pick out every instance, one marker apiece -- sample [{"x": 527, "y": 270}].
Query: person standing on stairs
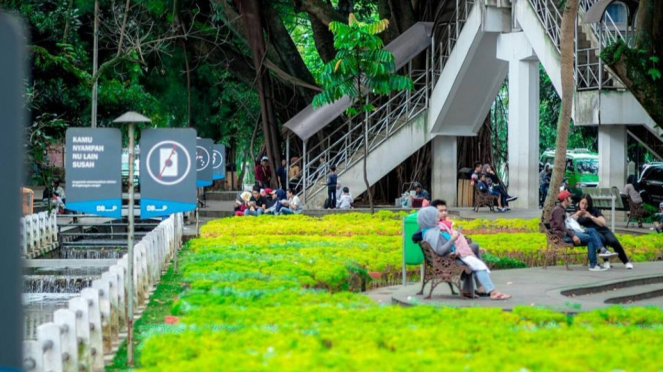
[{"x": 332, "y": 179}]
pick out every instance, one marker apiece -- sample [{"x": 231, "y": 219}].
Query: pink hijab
[{"x": 462, "y": 247}]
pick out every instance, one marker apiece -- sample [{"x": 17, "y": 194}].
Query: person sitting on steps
[
  {"x": 444, "y": 242},
  {"x": 559, "y": 228}
]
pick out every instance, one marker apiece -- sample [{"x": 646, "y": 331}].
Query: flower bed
[{"x": 265, "y": 300}]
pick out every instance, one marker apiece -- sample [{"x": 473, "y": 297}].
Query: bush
[{"x": 265, "y": 300}]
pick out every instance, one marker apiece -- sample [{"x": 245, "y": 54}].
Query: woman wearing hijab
[{"x": 447, "y": 241}]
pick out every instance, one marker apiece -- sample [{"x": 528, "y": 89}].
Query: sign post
[
  {"x": 131, "y": 118},
  {"x": 94, "y": 171},
  {"x": 167, "y": 173},
  {"x": 12, "y": 61}
]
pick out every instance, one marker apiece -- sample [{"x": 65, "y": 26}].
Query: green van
[{"x": 582, "y": 166}]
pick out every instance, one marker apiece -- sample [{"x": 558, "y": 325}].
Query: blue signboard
[
  {"x": 204, "y": 170},
  {"x": 219, "y": 162},
  {"x": 167, "y": 171},
  {"x": 94, "y": 171}
]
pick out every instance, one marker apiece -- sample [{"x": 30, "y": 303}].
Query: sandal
[{"x": 499, "y": 296}]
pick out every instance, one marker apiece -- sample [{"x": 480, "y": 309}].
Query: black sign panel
[
  {"x": 219, "y": 162},
  {"x": 204, "y": 153},
  {"x": 94, "y": 171},
  {"x": 167, "y": 171},
  {"x": 12, "y": 107}
]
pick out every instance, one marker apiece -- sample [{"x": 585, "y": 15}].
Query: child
[
  {"x": 346, "y": 200},
  {"x": 332, "y": 178},
  {"x": 475, "y": 175},
  {"x": 483, "y": 187}
]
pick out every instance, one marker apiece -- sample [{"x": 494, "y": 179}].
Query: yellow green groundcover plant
[{"x": 270, "y": 294}]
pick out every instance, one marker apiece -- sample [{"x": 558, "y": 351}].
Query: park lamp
[{"x": 131, "y": 118}]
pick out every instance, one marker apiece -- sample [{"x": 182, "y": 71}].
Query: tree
[
  {"x": 361, "y": 67},
  {"x": 639, "y": 68},
  {"x": 569, "y": 18}
]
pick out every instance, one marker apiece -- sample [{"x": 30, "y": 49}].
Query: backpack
[{"x": 326, "y": 203}]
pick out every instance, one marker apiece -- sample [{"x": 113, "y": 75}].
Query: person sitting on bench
[
  {"x": 558, "y": 226},
  {"x": 444, "y": 243}
]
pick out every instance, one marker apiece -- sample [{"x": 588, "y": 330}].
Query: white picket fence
[
  {"x": 80, "y": 335},
  {"x": 39, "y": 233}
]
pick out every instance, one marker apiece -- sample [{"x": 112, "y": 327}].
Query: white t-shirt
[
  {"x": 294, "y": 203},
  {"x": 345, "y": 202}
]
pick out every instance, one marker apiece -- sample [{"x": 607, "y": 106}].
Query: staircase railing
[
  {"x": 391, "y": 114},
  {"x": 344, "y": 147},
  {"x": 590, "y": 71}
]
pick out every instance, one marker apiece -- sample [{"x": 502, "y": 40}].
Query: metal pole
[
  {"x": 287, "y": 163},
  {"x": 305, "y": 174},
  {"x": 612, "y": 213},
  {"x": 404, "y": 267},
  {"x": 130, "y": 248}
]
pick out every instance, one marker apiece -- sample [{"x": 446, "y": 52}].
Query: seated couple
[
  {"x": 257, "y": 202},
  {"x": 438, "y": 231},
  {"x": 486, "y": 181},
  {"x": 587, "y": 226}
]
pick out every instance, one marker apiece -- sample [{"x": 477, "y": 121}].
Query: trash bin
[{"x": 412, "y": 254}]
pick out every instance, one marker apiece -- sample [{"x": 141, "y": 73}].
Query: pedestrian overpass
[{"x": 458, "y": 65}]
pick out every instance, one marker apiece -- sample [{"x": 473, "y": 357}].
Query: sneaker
[
  {"x": 629, "y": 266},
  {"x": 597, "y": 268},
  {"x": 511, "y": 198},
  {"x": 507, "y": 209},
  {"x": 606, "y": 253},
  {"x": 606, "y": 265}
]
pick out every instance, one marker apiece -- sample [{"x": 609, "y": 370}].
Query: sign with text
[
  {"x": 204, "y": 168},
  {"x": 219, "y": 162},
  {"x": 167, "y": 171},
  {"x": 94, "y": 171}
]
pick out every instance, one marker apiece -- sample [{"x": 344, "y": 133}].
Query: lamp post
[{"x": 131, "y": 118}]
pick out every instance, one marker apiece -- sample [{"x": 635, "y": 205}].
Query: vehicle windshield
[{"x": 587, "y": 166}]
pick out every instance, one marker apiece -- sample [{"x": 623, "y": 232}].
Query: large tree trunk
[
  {"x": 252, "y": 19},
  {"x": 569, "y": 19},
  {"x": 403, "y": 14}
]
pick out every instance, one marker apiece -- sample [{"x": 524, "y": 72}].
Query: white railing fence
[
  {"x": 82, "y": 334},
  {"x": 39, "y": 233}
]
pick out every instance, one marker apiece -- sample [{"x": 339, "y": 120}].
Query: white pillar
[
  {"x": 523, "y": 118},
  {"x": 444, "y": 173},
  {"x": 612, "y": 155}
]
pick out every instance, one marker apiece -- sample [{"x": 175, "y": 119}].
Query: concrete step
[
  {"x": 221, "y": 195},
  {"x": 621, "y": 292}
]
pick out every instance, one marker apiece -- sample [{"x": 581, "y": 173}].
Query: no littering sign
[{"x": 168, "y": 171}]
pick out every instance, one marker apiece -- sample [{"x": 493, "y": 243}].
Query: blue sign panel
[
  {"x": 167, "y": 171},
  {"x": 94, "y": 171},
  {"x": 219, "y": 162},
  {"x": 204, "y": 160}
]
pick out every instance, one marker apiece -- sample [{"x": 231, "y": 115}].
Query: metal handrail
[{"x": 588, "y": 75}]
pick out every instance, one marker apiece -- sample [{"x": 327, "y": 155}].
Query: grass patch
[{"x": 159, "y": 306}]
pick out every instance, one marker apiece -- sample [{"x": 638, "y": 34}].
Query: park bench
[
  {"x": 441, "y": 269},
  {"x": 484, "y": 199},
  {"x": 555, "y": 245}
]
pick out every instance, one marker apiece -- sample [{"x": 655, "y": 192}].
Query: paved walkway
[{"x": 556, "y": 288}]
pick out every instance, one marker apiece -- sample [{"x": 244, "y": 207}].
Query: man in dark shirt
[
  {"x": 262, "y": 173},
  {"x": 257, "y": 203},
  {"x": 558, "y": 227},
  {"x": 421, "y": 192},
  {"x": 332, "y": 179}
]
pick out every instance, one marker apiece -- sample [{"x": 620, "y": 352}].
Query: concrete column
[
  {"x": 444, "y": 173},
  {"x": 612, "y": 155},
  {"x": 523, "y": 118}
]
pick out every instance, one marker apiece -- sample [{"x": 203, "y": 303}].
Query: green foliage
[
  {"x": 263, "y": 302},
  {"x": 360, "y": 63}
]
